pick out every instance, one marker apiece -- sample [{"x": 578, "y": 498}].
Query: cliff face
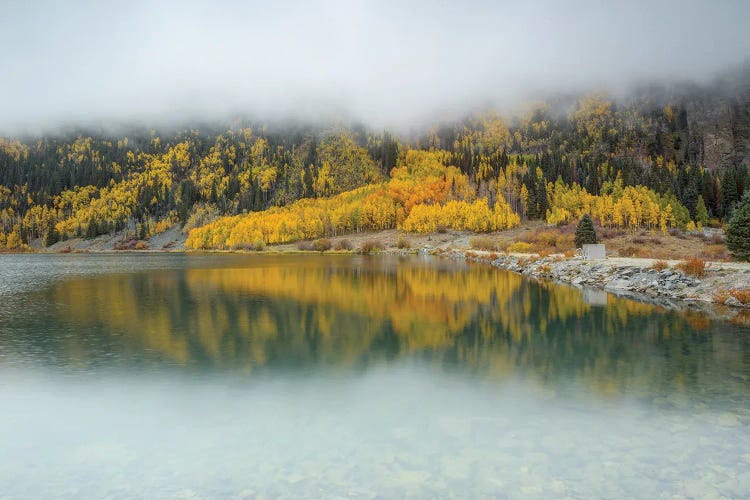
[{"x": 719, "y": 124}]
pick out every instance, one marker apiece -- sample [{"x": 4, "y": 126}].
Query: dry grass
[
  {"x": 520, "y": 247},
  {"x": 543, "y": 241},
  {"x": 342, "y": 245},
  {"x": 715, "y": 252},
  {"x": 659, "y": 265},
  {"x": 631, "y": 251},
  {"x": 693, "y": 267},
  {"x": 678, "y": 233},
  {"x": 720, "y": 296},
  {"x": 403, "y": 242},
  {"x": 370, "y": 246},
  {"x": 321, "y": 245},
  {"x": 656, "y": 245},
  {"x": 742, "y": 295},
  {"x": 484, "y": 243}
]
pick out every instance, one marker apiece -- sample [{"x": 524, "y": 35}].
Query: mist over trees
[{"x": 542, "y": 163}]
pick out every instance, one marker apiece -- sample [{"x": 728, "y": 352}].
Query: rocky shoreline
[{"x": 635, "y": 278}]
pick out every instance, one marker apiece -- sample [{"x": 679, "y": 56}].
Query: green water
[{"x": 173, "y": 376}]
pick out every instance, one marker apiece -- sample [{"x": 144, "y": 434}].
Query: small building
[{"x": 593, "y": 252}]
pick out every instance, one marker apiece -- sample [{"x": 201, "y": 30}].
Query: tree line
[{"x": 84, "y": 184}]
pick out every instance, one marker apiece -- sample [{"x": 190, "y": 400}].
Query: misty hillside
[{"x": 688, "y": 142}]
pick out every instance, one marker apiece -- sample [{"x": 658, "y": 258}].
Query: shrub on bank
[
  {"x": 304, "y": 246},
  {"x": 660, "y": 265},
  {"x": 483, "y": 243},
  {"x": 371, "y": 246},
  {"x": 343, "y": 245},
  {"x": 693, "y": 267},
  {"x": 742, "y": 295},
  {"x": 321, "y": 245},
  {"x": 520, "y": 247}
]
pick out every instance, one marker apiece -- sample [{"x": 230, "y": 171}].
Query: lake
[{"x": 244, "y": 376}]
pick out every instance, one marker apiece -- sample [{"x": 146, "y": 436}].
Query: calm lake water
[{"x": 205, "y": 376}]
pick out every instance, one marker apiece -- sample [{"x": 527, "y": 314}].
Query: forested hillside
[{"x": 652, "y": 160}]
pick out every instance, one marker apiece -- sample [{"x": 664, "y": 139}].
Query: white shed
[{"x": 593, "y": 252}]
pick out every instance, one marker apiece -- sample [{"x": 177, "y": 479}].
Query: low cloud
[{"x": 387, "y": 63}]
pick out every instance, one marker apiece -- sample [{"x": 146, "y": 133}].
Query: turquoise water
[{"x": 204, "y": 376}]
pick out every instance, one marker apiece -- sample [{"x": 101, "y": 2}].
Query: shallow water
[{"x": 205, "y": 376}]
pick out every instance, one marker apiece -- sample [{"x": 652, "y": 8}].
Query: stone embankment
[{"x": 635, "y": 278}]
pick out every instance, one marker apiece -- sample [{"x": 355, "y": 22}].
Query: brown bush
[
  {"x": 483, "y": 243},
  {"x": 717, "y": 239},
  {"x": 660, "y": 265},
  {"x": 742, "y": 295},
  {"x": 343, "y": 245},
  {"x": 125, "y": 245},
  {"x": 678, "y": 233},
  {"x": 720, "y": 295},
  {"x": 630, "y": 251},
  {"x": 545, "y": 252},
  {"x": 609, "y": 232},
  {"x": 141, "y": 245},
  {"x": 304, "y": 246},
  {"x": 565, "y": 242},
  {"x": 693, "y": 267},
  {"x": 715, "y": 252},
  {"x": 545, "y": 238},
  {"x": 403, "y": 242},
  {"x": 321, "y": 245},
  {"x": 258, "y": 245},
  {"x": 371, "y": 246}
]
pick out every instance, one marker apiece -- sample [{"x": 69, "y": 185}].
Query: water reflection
[
  {"x": 301, "y": 312},
  {"x": 338, "y": 377}
]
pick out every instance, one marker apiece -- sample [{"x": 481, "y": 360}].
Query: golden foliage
[
  {"x": 422, "y": 195},
  {"x": 628, "y": 207}
]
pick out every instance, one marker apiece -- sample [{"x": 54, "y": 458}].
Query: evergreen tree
[
  {"x": 701, "y": 213},
  {"x": 729, "y": 192},
  {"x": 585, "y": 232},
  {"x": 50, "y": 236},
  {"x": 91, "y": 229},
  {"x": 738, "y": 231}
]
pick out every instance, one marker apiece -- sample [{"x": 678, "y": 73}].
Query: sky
[{"x": 387, "y": 63}]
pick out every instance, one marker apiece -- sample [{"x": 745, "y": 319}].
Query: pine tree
[
  {"x": 585, "y": 232},
  {"x": 91, "y": 229},
  {"x": 738, "y": 231},
  {"x": 701, "y": 213},
  {"x": 729, "y": 192},
  {"x": 51, "y": 235}
]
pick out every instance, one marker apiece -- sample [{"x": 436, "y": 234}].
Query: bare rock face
[{"x": 719, "y": 125}]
